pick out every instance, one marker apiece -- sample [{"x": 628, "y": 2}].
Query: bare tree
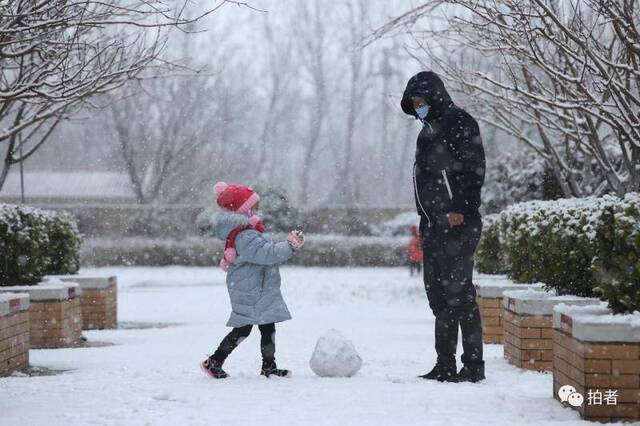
[
  {"x": 312, "y": 48},
  {"x": 279, "y": 64},
  {"x": 295, "y": 100},
  {"x": 58, "y": 55},
  {"x": 345, "y": 187},
  {"x": 170, "y": 138},
  {"x": 561, "y": 77},
  {"x": 395, "y": 144}
]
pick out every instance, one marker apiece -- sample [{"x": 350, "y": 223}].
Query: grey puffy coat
[{"x": 253, "y": 280}]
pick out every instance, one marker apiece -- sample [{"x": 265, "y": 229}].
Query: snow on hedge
[
  {"x": 35, "y": 242},
  {"x": 588, "y": 246}
]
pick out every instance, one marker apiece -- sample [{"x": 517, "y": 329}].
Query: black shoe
[
  {"x": 441, "y": 372},
  {"x": 270, "y": 369},
  {"x": 469, "y": 373}
]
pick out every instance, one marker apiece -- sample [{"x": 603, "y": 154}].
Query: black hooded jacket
[{"x": 450, "y": 164}]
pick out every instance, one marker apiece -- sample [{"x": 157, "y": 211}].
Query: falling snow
[{"x": 151, "y": 375}]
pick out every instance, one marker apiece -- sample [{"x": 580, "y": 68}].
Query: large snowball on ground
[{"x": 335, "y": 356}]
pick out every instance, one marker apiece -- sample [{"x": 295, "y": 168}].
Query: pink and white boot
[{"x": 213, "y": 369}]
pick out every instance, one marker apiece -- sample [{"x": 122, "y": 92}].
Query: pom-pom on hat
[{"x": 236, "y": 198}]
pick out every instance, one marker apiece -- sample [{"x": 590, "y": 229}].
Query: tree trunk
[
  {"x": 6, "y": 165},
  {"x": 314, "y": 137},
  {"x": 317, "y": 114},
  {"x": 634, "y": 177}
]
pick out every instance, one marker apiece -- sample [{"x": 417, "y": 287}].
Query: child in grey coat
[{"x": 251, "y": 260}]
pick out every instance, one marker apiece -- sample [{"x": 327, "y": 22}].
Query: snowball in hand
[
  {"x": 335, "y": 356},
  {"x": 296, "y": 239}
]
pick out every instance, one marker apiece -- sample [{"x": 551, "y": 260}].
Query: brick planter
[
  {"x": 598, "y": 353},
  {"x": 99, "y": 300},
  {"x": 528, "y": 320},
  {"x": 55, "y": 319},
  {"x": 489, "y": 298},
  {"x": 14, "y": 333}
]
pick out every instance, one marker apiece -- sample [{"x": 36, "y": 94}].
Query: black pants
[
  {"x": 237, "y": 335},
  {"x": 414, "y": 268},
  {"x": 448, "y": 270}
]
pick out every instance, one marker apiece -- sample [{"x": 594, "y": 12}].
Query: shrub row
[
  {"x": 617, "y": 264},
  {"x": 586, "y": 247},
  {"x": 36, "y": 242},
  {"x": 179, "y": 221},
  {"x": 489, "y": 259},
  {"x": 319, "y": 250}
]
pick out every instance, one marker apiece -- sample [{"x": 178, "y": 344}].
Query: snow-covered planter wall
[
  {"x": 584, "y": 247},
  {"x": 528, "y": 317},
  {"x": 36, "y": 242},
  {"x": 598, "y": 354},
  {"x": 54, "y": 314},
  {"x": 98, "y": 300},
  {"x": 489, "y": 297},
  {"x": 14, "y": 333}
]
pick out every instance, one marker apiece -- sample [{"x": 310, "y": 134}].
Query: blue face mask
[{"x": 422, "y": 111}]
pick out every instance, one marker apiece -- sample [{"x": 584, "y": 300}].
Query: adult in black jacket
[{"x": 448, "y": 174}]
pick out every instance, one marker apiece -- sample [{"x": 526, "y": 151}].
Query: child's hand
[{"x": 296, "y": 239}]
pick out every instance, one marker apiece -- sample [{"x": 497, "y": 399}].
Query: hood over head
[
  {"x": 223, "y": 222},
  {"x": 429, "y": 86}
]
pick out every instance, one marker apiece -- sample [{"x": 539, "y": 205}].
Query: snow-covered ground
[{"x": 151, "y": 376}]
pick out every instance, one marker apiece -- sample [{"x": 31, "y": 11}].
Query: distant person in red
[{"x": 414, "y": 249}]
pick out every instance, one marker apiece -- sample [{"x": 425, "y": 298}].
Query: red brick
[
  {"x": 568, "y": 342},
  {"x": 492, "y": 339},
  {"x": 491, "y": 321},
  {"x": 619, "y": 411},
  {"x": 612, "y": 351},
  {"x": 629, "y": 395},
  {"x": 490, "y": 302},
  {"x": 625, "y": 380},
  {"x": 625, "y": 366},
  {"x": 597, "y": 380},
  {"x": 597, "y": 366},
  {"x": 491, "y": 312}
]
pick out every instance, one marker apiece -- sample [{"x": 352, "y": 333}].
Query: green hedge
[
  {"x": 34, "y": 243},
  {"x": 489, "y": 258},
  {"x": 585, "y": 247},
  {"x": 617, "y": 266}
]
